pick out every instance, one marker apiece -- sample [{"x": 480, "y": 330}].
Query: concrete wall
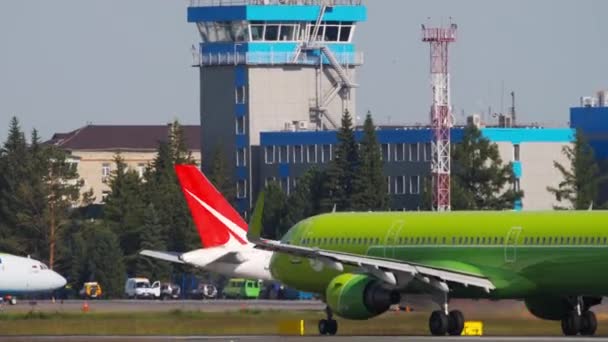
[
  {"x": 538, "y": 173},
  {"x": 280, "y": 94}
]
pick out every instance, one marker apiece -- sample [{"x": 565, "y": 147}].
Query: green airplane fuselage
[{"x": 523, "y": 254}]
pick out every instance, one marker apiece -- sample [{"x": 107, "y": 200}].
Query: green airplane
[{"x": 362, "y": 263}]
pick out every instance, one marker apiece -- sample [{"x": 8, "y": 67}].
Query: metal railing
[
  {"x": 272, "y": 58},
  {"x": 204, "y": 3}
]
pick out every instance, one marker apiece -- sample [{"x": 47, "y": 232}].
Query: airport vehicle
[
  {"x": 91, "y": 290},
  {"x": 167, "y": 290},
  {"x": 554, "y": 261},
  {"x": 221, "y": 229},
  {"x": 242, "y": 289},
  {"x": 138, "y": 288},
  {"x": 204, "y": 291},
  {"x": 19, "y": 275}
]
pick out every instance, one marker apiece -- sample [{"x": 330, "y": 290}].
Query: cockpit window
[{"x": 43, "y": 267}]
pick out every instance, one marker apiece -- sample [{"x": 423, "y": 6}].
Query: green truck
[{"x": 238, "y": 288}]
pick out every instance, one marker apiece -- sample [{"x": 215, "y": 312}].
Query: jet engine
[{"x": 359, "y": 296}]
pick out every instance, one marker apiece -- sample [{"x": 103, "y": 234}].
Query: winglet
[{"x": 255, "y": 225}]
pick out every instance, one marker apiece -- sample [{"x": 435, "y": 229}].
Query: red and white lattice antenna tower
[{"x": 439, "y": 39}]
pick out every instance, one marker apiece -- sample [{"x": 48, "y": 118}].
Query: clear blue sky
[{"x": 64, "y": 63}]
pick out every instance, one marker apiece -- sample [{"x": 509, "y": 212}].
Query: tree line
[{"x": 45, "y": 213}]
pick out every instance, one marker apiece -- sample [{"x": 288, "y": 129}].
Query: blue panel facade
[
  {"x": 593, "y": 123},
  {"x": 275, "y": 13}
]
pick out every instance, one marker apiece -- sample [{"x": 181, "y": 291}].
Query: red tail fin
[{"x": 213, "y": 216}]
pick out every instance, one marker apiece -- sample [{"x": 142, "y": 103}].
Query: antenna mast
[{"x": 439, "y": 39}]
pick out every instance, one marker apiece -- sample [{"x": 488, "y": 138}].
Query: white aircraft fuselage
[{"x": 19, "y": 275}]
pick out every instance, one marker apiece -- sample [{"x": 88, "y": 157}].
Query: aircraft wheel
[
  {"x": 438, "y": 323},
  {"x": 571, "y": 324},
  {"x": 323, "y": 326},
  {"x": 588, "y": 323},
  {"x": 455, "y": 323},
  {"x": 332, "y": 327}
]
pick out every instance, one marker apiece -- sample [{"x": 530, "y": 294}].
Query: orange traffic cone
[{"x": 85, "y": 306}]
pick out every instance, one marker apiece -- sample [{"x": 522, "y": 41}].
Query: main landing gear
[
  {"x": 328, "y": 326},
  {"x": 444, "y": 322},
  {"x": 580, "y": 320}
]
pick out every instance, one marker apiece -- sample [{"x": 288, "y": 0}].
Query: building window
[
  {"x": 269, "y": 154},
  {"x": 241, "y": 189},
  {"x": 105, "y": 172},
  {"x": 240, "y": 94},
  {"x": 388, "y": 184},
  {"x": 386, "y": 152},
  {"x": 298, "y": 155},
  {"x": 399, "y": 188},
  {"x": 104, "y": 195},
  {"x": 326, "y": 154},
  {"x": 428, "y": 152},
  {"x": 284, "y": 154},
  {"x": 311, "y": 153},
  {"x": 516, "y": 150},
  {"x": 399, "y": 152},
  {"x": 241, "y": 157},
  {"x": 415, "y": 185},
  {"x": 141, "y": 168},
  {"x": 240, "y": 125},
  {"x": 414, "y": 152}
]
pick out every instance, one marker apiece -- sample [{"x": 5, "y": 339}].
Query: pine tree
[
  {"x": 343, "y": 168},
  {"x": 479, "y": 179},
  {"x": 371, "y": 188},
  {"x": 305, "y": 200},
  {"x": 124, "y": 210},
  {"x": 581, "y": 179},
  {"x": 152, "y": 240}
]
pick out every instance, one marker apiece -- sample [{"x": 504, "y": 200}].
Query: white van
[{"x": 137, "y": 288}]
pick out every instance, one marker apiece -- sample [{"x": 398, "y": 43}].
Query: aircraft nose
[{"x": 58, "y": 281}]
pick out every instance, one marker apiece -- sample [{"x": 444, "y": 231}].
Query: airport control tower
[{"x": 271, "y": 65}]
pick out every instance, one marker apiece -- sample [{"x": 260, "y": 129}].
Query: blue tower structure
[{"x": 271, "y": 65}]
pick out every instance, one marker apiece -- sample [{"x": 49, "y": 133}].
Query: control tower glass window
[
  {"x": 271, "y": 33},
  {"x": 240, "y": 31},
  {"x": 331, "y": 33},
  {"x": 288, "y": 32},
  {"x": 257, "y": 31},
  {"x": 345, "y": 32}
]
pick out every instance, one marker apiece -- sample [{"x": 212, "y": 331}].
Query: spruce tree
[
  {"x": 275, "y": 211},
  {"x": 343, "y": 169},
  {"x": 371, "y": 188},
  {"x": 104, "y": 261},
  {"x": 161, "y": 187},
  {"x": 124, "y": 210},
  {"x": 480, "y": 180},
  {"x": 581, "y": 178},
  {"x": 151, "y": 236}
]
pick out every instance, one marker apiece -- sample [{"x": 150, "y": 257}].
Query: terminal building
[{"x": 275, "y": 78}]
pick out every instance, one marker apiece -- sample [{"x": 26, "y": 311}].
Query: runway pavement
[
  {"x": 127, "y": 305},
  {"x": 294, "y": 339}
]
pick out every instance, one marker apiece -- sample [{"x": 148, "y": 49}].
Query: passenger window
[
  {"x": 443, "y": 240},
  {"x": 604, "y": 243},
  {"x": 435, "y": 240},
  {"x": 478, "y": 240}
]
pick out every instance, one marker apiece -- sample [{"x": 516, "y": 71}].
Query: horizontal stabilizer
[
  {"x": 167, "y": 256},
  {"x": 206, "y": 256}
]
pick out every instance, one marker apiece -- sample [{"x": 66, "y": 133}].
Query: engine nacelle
[{"x": 359, "y": 296}]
